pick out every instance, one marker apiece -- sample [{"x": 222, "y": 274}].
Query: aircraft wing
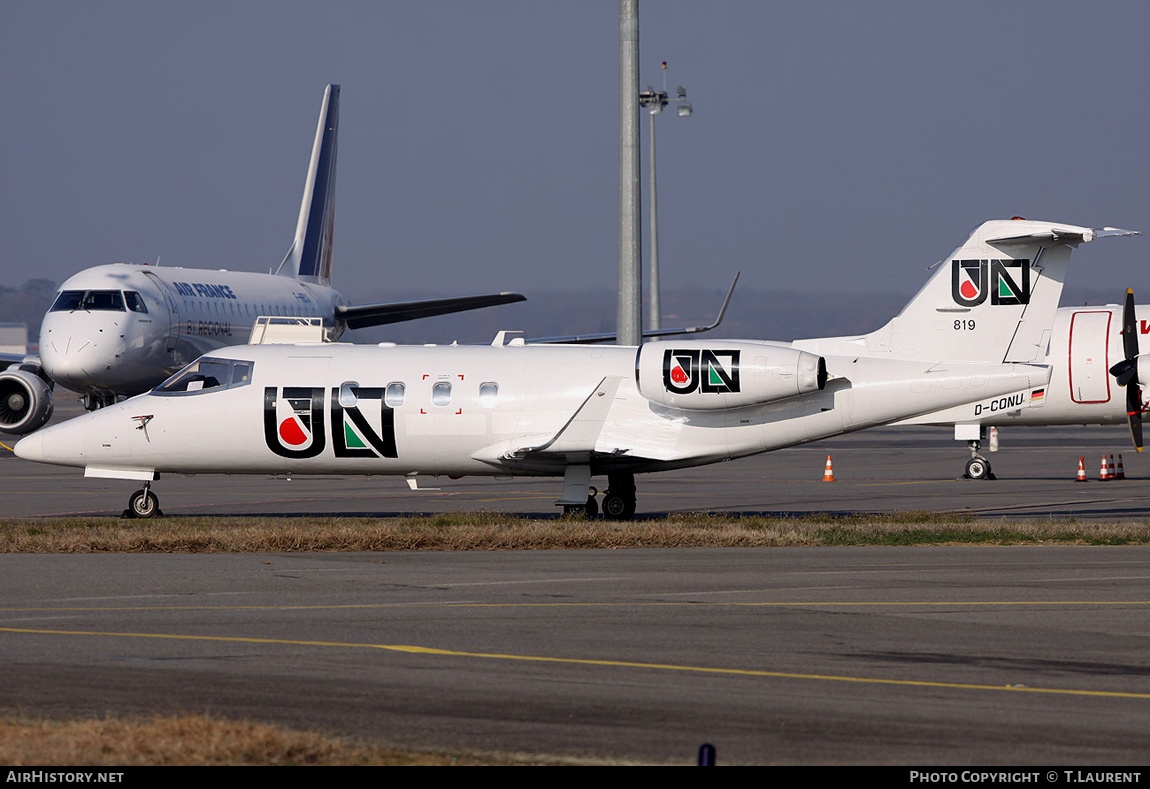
[
  {"x": 576, "y": 437},
  {"x": 17, "y": 359},
  {"x": 362, "y": 315},
  {"x": 647, "y": 335}
]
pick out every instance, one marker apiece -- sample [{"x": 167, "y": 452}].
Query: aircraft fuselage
[{"x": 460, "y": 410}]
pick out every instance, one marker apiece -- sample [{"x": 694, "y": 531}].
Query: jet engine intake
[
  {"x": 25, "y": 402},
  {"x": 706, "y": 376}
]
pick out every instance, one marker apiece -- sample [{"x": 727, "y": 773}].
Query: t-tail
[
  {"x": 309, "y": 258},
  {"x": 991, "y": 300}
]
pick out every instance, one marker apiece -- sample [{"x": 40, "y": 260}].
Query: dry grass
[
  {"x": 194, "y": 740},
  {"x": 493, "y": 531}
]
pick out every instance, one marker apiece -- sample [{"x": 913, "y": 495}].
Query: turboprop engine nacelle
[
  {"x": 25, "y": 402},
  {"x": 708, "y": 376}
]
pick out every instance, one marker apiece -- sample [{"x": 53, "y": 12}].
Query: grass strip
[{"x": 501, "y": 531}]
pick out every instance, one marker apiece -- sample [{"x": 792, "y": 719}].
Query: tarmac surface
[
  {"x": 913, "y": 656},
  {"x": 946, "y": 656},
  {"x": 878, "y": 470}
]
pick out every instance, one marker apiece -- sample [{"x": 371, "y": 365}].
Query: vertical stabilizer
[
  {"x": 309, "y": 258},
  {"x": 992, "y": 300}
]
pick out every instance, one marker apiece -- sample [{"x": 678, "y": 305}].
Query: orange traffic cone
[
  {"x": 1121, "y": 471},
  {"x": 1081, "y": 470},
  {"x": 1104, "y": 472},
  {"x": 829, "y": 474}
]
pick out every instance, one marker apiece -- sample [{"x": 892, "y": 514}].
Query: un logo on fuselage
[
  {"x": 362, "y": 424},
  {"x": 293, "y": 422}
]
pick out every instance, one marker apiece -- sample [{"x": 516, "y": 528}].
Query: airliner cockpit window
[
  {"x": 134, "y": 301},
  {"x": 207, "y": 374},
  {"x": 102, "y": 300}
]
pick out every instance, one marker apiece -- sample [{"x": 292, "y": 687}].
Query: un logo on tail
[{"x": 1005, "y": 281}]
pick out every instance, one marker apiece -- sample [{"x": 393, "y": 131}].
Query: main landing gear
[
  {"x": 588, "y": 510},
  {"x": 618, "y": 501},
  {"x": 143, "y": 504}
]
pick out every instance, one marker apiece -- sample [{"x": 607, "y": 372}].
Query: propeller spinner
[{"x": 1126, "y": 371}]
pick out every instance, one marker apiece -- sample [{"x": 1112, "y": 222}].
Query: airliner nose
[{"x": 79, "y": 360}]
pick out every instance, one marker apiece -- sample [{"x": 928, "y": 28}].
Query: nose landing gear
[{"x": 143, "y": 504}]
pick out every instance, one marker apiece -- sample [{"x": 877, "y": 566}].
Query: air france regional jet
[
  {"x": 118, "y": 330},
  {"x": 577, "y": 411}
]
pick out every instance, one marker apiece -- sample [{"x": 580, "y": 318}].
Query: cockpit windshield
[
  {"x": 101, "y": 300},
  {"x": 207, "y": 374}
]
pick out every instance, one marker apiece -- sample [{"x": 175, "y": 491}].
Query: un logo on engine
[{"x": 686, "y": 370}]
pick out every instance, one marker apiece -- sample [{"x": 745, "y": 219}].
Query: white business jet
[
  {"x": 118, "y": 330},
  {"x": 579, "y": 411}
]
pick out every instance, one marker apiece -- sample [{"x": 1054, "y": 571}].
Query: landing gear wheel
[
  {"x": 978, "y": 468},
  {"x": 143, "y": 504},
  {"x": 619, "y": 500},
  {"x": 589, "y": 510},
  {"x": 618, "y": 508}
]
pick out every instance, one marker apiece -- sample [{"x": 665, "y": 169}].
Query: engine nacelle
[
  {"x": 1142, "y": 366},
  {"x": 25, "y": 402},
  {"x": 705, "y": 376}
]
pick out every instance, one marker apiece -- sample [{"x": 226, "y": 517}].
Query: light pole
[{"x": 654, "y": 101}]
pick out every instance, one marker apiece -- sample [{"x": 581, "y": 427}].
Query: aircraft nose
[
  {"x": 79, "y": 360},
  {"x": 63, "y": 444},
  {"x": 30, "y": 448}
]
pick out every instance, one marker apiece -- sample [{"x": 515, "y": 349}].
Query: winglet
[{"x": 309, "y": 257}]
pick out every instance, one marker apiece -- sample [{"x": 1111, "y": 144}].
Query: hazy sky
[{"x": 834, "y": 145}]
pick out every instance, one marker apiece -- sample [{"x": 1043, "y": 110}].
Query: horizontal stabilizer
[
  {"x": 363, "y": 315},
  {"x": 1062, "y": 235}
]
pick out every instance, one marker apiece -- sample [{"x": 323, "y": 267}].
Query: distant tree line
[
  {"x": 27, "y": 304},
  {"x": 753, "y": 314}
]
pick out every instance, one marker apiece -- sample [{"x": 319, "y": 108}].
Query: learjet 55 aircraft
[
  {"x": 976, "y": 333},
  {"x": 118, "y": 330}
]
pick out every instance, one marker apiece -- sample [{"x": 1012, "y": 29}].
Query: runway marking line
[
  {"x": 787, "y": 604},
  {"x": 418, "y": 650}
]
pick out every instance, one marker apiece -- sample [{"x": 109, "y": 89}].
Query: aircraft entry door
[{"x": 1090, "y": 357}]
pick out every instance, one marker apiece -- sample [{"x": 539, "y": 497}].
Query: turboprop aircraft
[
  {"x": 118, "y": 330},
  {"x": 580, "y": 411}
]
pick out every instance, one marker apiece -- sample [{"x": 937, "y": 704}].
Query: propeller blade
[
  {"x": 1134, "y": 414},
  {"x": 1129, "y": 326}
]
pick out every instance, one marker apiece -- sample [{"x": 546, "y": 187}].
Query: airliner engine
[
  {"x": 25, "y": 401},
  {"x": 702, "y": 376}
]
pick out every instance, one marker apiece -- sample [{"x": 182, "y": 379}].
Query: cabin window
[
  {"x": 395, "y": 395},
  {"x": 207, "y": 374},
  {"x": 488, "y": 394},
  {"x": 441, "y": 393},
  {"x": 348, "y": 397}
]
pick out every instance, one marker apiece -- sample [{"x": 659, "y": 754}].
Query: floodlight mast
[
  {"x": 629, "y": 315},
  {"x": 654, "y": 101}
]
